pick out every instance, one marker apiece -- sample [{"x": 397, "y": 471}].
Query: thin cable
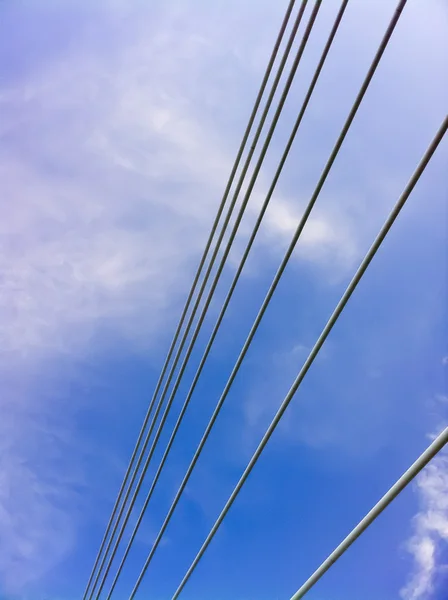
[
  {"x": 318, "y": 345},
  {"x": 197, "y": 302},
  {"x": 277, "y": 277},
  {"x": 437, "y": 445},
  {"x": 195, "y": 280},
  {"x": 227, "y": 250},
  {"x": 230, "y": 293}
]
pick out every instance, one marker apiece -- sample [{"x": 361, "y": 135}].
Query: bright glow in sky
[{"x": 119, "y": 122}]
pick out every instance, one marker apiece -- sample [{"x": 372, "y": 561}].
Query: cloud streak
[
  {"x": 105, "y": 218},
  {"x": 430, "y": 527}
]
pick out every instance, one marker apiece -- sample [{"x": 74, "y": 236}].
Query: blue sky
[{"x": 119, "y": 122}]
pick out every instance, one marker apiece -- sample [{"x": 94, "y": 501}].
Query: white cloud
[
  {"x": 112, "y": 172},
  {"x": 430, "y": 527},
  {"x": 113, "y": 164},
  {"x": 443, "y": 398}
]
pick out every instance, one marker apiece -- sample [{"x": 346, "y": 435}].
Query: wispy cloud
[
  {"x": 113, "y": 164},
  {"x": 430, "y": 527},
  {"x": 113, "y": 168},
  {"x": 430, "y": 524}
]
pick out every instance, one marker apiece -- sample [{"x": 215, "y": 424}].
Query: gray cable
[
  {"x": 437, "y": 445},
  {"x": 195, "y": 281},
  {"x": 277, "y": 277},
  {"x": 228, "y": 297},
  {"x": 318, "y": 345},
  {"x": 218, "y": 273},
  {"x": 192, "y": 316}
]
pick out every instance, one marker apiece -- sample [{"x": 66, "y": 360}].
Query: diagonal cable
[
  {"x": 421, "y": 462},
  {"x": 223, "y": 258},
  {"x": 194, "y": 284},
  {"x": 317, "y": 347},
  {"x": 229, "y": 295},
  {"x": 191, "y": 318},
  {"x": 277, "y": 277}
]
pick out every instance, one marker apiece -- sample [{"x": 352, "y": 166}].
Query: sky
[{"x": 119, "y": 123}]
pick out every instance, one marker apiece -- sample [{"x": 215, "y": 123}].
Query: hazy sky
[{"x": 119, "y": 122}]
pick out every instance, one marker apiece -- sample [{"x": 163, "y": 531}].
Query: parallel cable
[
  {"x": 317, "y": 347},
  {"x": 226, "y": 251},
  {"x": 421, "y": 462},
  {"x": 277, "y": 277},
  {"x": 230, "y": 293},
  {"x": 196, "y": 305},
  {"x": 195, "y": 282}
]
